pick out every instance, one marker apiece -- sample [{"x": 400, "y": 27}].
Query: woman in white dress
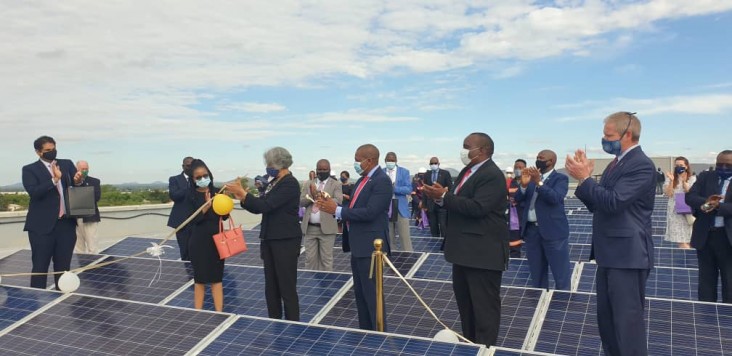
[{"x": 678, "y": 181}]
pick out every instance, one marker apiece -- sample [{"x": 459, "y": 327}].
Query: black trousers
[
  {"x": 438, "y": 221},
  {"x": 183, "y": 236},
  {"x": 280, "y": 277},
  {"x": 715, "y": 259},
  {"x": 621, "y": 297},
  {"x": 478, "y": 296},
  {"x": 365, "y": 293},
  {"x": 56, "y": 246}
]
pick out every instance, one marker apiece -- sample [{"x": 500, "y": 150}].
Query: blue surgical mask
[
  {"x": 680, "y": 170},
  {"x": 724, "y": 173},
  {"x": 203, "y": 182},
  {"x": 612, "y": 147},
  {"x": 390, "y": 165},
  {"x": 273, "y": 172},
  {"x": 357, "y": 168},
  {"x": 434, "y": 167}
]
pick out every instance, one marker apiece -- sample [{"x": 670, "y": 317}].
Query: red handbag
[{"x": 229, "y": 242}]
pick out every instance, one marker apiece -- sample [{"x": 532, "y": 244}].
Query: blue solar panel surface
[
  {"x": 17, "y": 303},
  {"x": 674, "y": 327},
  {"x": 88, "y": 325},
  {"x": 135, "y": 279},
  {"x": 244, "y": 292},
  {"x": 20, "y": 262},
  {"x": 405, "y": 315},
  {"x": 249, "y": 336}
]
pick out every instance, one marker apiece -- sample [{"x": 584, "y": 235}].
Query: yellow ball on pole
[{"x": 223, "y": 204}]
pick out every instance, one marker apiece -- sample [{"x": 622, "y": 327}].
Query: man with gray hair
[
  {"x": 622, "y": 244},
  {"x": 319, "y": 230},
  {"x": 86, "y": 227}
]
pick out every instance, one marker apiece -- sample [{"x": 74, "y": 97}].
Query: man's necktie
[
  {"x": 465, "y": 177},
  {"x": 612, "y": 164},
  {"x": 358, "y": 191}
]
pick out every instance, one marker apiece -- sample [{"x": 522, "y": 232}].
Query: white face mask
[
  {"x": 464, "y": 155},
  {"x": 434, "y": 167}
]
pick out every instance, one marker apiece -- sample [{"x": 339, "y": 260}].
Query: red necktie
[
  {"x": 358, "y": 191},
  {"x": 465, "y": 177}
]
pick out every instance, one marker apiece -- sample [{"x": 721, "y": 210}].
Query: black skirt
[{"x": 207, "y": 266}]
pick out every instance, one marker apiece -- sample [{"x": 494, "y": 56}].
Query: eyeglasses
[{"x": 201, "y": 177}]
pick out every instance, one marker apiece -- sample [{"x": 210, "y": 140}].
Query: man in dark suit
[
  {"x": 544, "y": 225},
  {"x": 51, "y": 233},
  {"x": 476, "y": 238},
  {"x": 366, "y": 219},
  {"x": 622, "y": 203},
  {"x": 86, "y": 227},
  {"x": 436, "y": 214},
  {"x": 711, "y": 200},
  {"x": 178, "y": 187}
]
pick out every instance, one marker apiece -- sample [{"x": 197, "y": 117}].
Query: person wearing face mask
[
  {"x": 544, "y": 226},
  {"x": 208, "y": 267},
  {"x": 515, "y": 238},
  {"x": 622, "y": 243},
  {"x": 280, "y": 234},
  {"x": 178, "y": 187},
  {"x": 436, "y": 215},
  {"x": 52, "y": 235},
  {"x": 476, "y": 237},
  {"x": 399, "y": 213},
  {"x": 346, "y": 187},
  {"x": 86, "y": 227},
  {"x": 366, "y": 220},
  {"x": 679, "y": 182},
  {"x": 711, "y": 200},
  {"x": 319, "y": 230}
]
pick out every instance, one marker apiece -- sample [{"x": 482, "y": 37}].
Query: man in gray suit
[{"x": 319, "y": 229}]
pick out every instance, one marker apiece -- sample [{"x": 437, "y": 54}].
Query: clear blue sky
[{"x": 133, "y": 87}]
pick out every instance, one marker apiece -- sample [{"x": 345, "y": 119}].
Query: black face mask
[
  {"x": 323, "y": 176},
  {"x": 541, "y": 165},
  {"x": 50, "y": 155}
]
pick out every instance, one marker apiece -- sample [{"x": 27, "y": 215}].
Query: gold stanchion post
[{"x": 378, "y": 261}]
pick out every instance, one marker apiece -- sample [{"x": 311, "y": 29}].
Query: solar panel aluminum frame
[
  {"x": 537, "y": 320},
  {"x": 331, "y": 303},
  {"x": 418, "y": 264},
  {"x": 577, "y": 275}
]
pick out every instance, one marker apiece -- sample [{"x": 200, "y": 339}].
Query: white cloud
[
  {"x": 252, "y": 107},
  {"x": 703, "y": 104}
]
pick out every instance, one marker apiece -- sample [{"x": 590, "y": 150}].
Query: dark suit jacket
[
  {"x": 94, "y": 182},
  {"x": 477, "y": 231},
  {"x": 622, "y": 204},
  {"x": 279, "y": 209},
  {"x": 178, "y": 187},
  {"x": 445, "y": 180},
  {"x": 368, "y": 219},
  {"x": 550, "y": 214},
  {"x": 44, "y": 198},
  {"x": 707, "y": 183}
]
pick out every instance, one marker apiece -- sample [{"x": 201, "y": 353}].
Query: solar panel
[
  {"x": 675, "y": 257},
  {"x": 405, "y": 315},
  {"x": 86, "y": 325},
  {"x": 130, "y": 279},
  {"x": 517, "y": 275},
  {"x": 663, "y": 282},
  {"x": 17, "y": 303},
  {"x": 133, "y": 245},
  {"x": 244, "y": 292},
  {"x": 579, "y": 252},
  {"x": 20, "y": 262},
  {"x": 511, "y": 352},
  {"x": 674, "y": 327},
  {"x": 403, "y": 261},
  {"x": 427, "y": 244},
  {"x": 250, "y": 336},
  {"x": 580, "y": 238}
]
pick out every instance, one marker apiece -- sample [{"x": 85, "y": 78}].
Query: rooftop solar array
[{"x": 144, "y": 306}]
